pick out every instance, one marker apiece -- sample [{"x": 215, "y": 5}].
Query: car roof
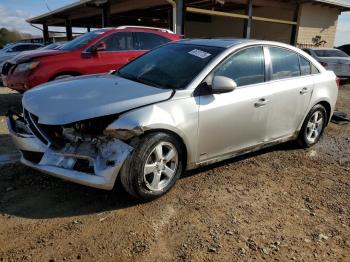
[
  {"x": 217, "y": 42},
  {"x": 323, "y": 48},
  {"x": 27, "y": 44}
]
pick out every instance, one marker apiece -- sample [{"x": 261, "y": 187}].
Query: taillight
[
  {"x": 338, "y": 82},
  {"x": 324, "y": 64}
]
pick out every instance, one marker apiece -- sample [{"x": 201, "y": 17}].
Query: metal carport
[{"x": 173, "y": 14}]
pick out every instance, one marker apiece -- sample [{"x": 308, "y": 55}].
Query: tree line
[{"x": 8, "y": 36}]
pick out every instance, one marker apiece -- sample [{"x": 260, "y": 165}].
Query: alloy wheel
[
  {"x": 161, "y": 166},
  {"x": 314, "y": 127}
]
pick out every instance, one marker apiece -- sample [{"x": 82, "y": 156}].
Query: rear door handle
[
  {"x": 261, "y": 102},
  {"x": 304, "y": 90}
]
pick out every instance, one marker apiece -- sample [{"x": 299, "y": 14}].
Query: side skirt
[{"x": 243, "y": 151}]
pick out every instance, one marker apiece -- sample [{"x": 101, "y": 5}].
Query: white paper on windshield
[{"x": 199, "y": 53}]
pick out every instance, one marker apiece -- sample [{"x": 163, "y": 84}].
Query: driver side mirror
[
  {"x": 223, "y": 84},
  {"x": 100, "y": 47}
]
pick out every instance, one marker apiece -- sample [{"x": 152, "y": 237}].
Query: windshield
[
  {"x": 82, "y": 40},
  {"x": 330, "y": 53},
  {"x": 171, "y": 66}
]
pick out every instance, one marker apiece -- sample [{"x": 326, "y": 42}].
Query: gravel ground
[{"x": 282, "y": 203}]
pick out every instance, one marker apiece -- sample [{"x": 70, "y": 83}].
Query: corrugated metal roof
[{"x": 82, "y": 3}]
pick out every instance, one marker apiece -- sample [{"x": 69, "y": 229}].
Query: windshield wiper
[{"x": 148, "y": 82}]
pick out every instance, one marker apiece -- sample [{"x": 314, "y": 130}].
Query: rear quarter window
[{"x": 305, "y": 66}]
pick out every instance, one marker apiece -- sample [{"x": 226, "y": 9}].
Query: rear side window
[
  {"x": 148, "y": 41},
  {"x": 246, "y": 67},
  {"x": 305, "y": 66},
  {"x": 119, "y": 42},
  {"x": 330, "y": 53},
  {"x": 285, "y": 63}
]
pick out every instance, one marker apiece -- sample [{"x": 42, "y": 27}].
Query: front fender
[{"x": 178, "y": 116}]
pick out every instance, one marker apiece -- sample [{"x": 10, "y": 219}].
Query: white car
[
  {"x": 332, "y": 59},
  {"x": 180, "y": 106}
]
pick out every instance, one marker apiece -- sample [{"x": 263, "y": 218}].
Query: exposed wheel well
[
  {"x": 183, "y": 145},
  {"x": 72, "y": 73},
  {"x": 327, "y": 106}
]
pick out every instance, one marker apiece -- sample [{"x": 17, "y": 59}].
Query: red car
[{"x": 98, "y": 51}]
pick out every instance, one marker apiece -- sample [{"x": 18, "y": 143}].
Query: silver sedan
[{"x": 183, "y": 105}]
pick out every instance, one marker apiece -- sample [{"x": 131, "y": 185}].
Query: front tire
[
  {"x": 313, "y": 126},
  {"x": 153, "y": 167}
]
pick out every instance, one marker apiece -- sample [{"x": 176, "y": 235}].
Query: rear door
[
  {"x": 120, "y": 49},
  {"x": 290, "y": 87},
  {"x": 147, "y": 41}
]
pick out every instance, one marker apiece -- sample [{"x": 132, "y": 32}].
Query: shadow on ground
[
  {"x": 10, "y": 101},
  {"x": 6, "y": 144},
  {"x": 28, "y": 193}
]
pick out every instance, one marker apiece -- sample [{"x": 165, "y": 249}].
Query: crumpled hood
[
  {"x": 29, "y": 55},
  {"x": 80, "y": 98}
]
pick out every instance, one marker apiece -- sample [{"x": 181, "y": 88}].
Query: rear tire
[
  {"x": 313, "y": 126},
  {"x": 153, "y": 167}
]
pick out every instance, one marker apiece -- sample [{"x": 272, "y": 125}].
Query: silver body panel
[
  {"x": 339, "y": 65},
  {"x": 212, "y": 127},
  {"x": 88, "y": 97}
]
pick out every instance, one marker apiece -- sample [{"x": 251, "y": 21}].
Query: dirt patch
[{"x": 282, "y": 203}]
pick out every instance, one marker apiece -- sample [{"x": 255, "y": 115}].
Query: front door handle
[
  {"x": 304, "y": 90},
  {"x": 261, "y": 102}
]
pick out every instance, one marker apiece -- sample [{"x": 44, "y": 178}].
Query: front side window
[
  {"x": 171, "y": 66},
  {"x": 148, "y": 41},
  {"x": 305, "y": 66},
  {"x": 285, "y": 63},
  {"x": 246, "y": 67},
  {"x": 119, "y": 42}
]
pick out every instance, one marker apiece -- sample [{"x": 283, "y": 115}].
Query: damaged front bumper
[{"x": 95, "y": 164}]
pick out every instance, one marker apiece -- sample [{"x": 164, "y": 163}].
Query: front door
[{"x": 233, "y": 121}]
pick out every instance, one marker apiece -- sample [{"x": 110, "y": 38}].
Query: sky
[{"x": 13, "y": 14}]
